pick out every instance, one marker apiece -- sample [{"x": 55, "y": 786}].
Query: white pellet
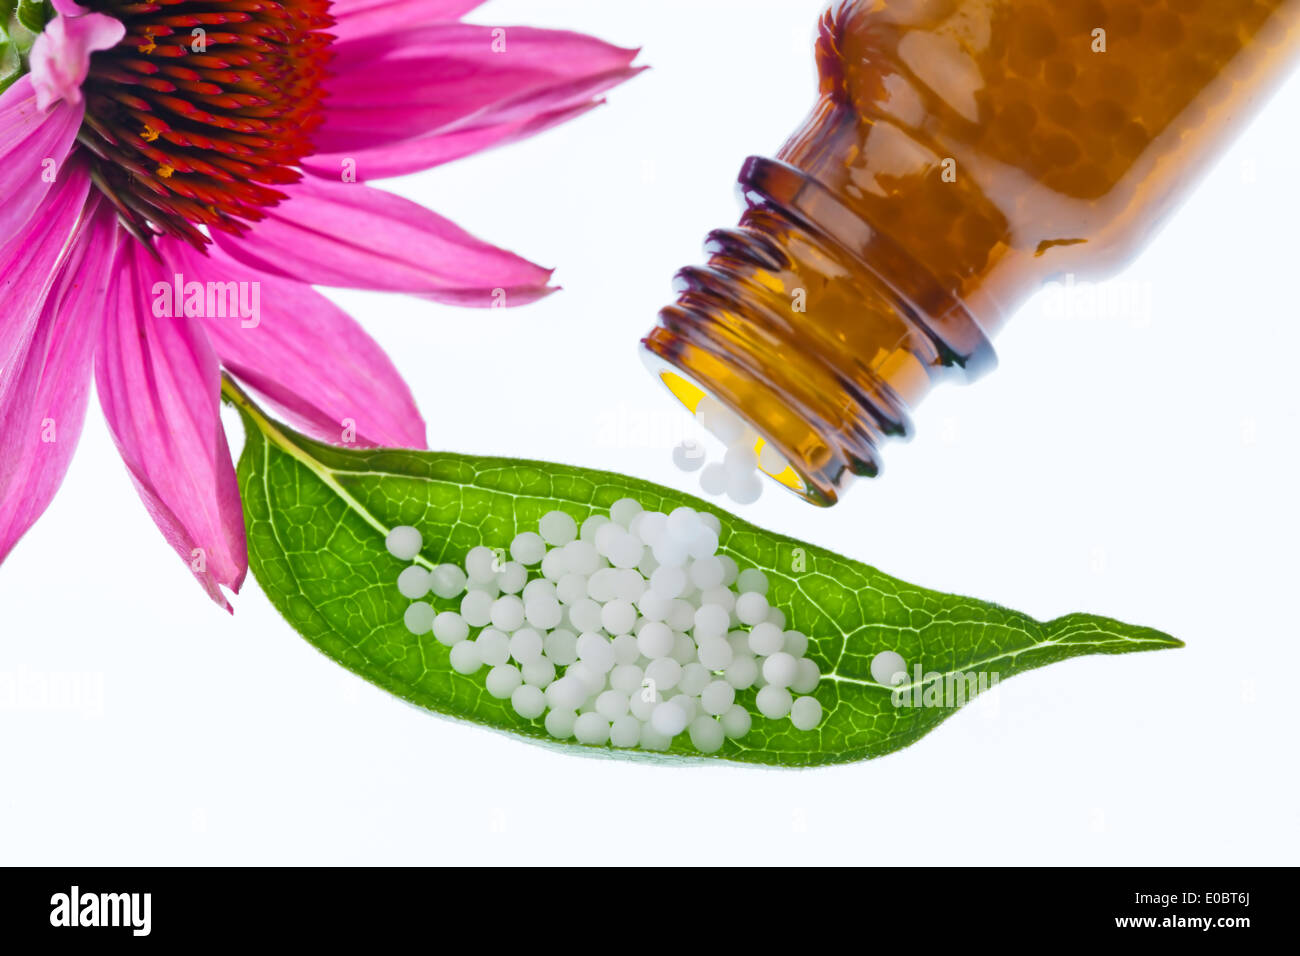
[
  {"x": 710, "y": 621},
  {"x": 624, "y": 510},
  {"x": 595, "y": 649},
  {"x": 669, "y": 582},
  {"x": 625, "y": 731},
  {"x": 888, "y": 668},
  {"x": 561, "y": 646},
  {"x": 643, "y": 701},
  {"x": 528, "y": 548},
  {"x": 476, "y": 608},
  {"x": 736, "y": 722},
  {"x": 806, "y": 713},
  {"x": 714, "y": 653},
  {"x": 695, "y": 677},
  {"x": 651, "y": 526},
  {"x": 591, "y": 728},
  {"x": 537, "y": 588},
  {"x": 706, "y": 573},
  {"x": 418, "y": 618},
  {"x": 651, "y": 739},
  {"x": 774, "y": 702},
  {"x": 765, "y": 639},
  {"x": 717, "y": 698},
  {"x": 681, "y": 615},
  {"x": 603, "y": 585},
  {"x": 776, "y": 616},
  {"x": 590, "y": 678},
  {"x": 730, "y": 570},
  {"x": 447, "y": 581},
  {"x": 806, "y": 677},
  {"x": 683, "y": 649},
  {"x": 683, "y": 523},
  {"x": 591, "y": 526},
  {"x": 413, "y": 582},
  {"x": 617, "y": 617},
  {"x": 720, "y": 420},
  {"x": 655, "y": 640},
  {"x": 465, "y": 658},
  {"x": 543, "y": 612},
  {"x": 741, "y": 672},
  {"x": 508, "y": 613},
  {"x": 585, "y": 614},
  {"x": 493, "y": 646},
  {"x": 611, "y": 704},
  {"x": 525, "y": 645},
  {"x": 688, "y": 455},
  {"x": 751, "y": 580},
  {"x": 559, "y": 723},
  {"x": 581, "y": 557},
  {"x": 571, "y": 588},
  {"x": 502, "y": 680},
  {"x": 670, "y": 553},
  {"x": 779, "y": 669},
  {"x": 689, "y": 705},
  {"x": 404, "y": 542},
  {"x": 512, "y": 577},
  {"x": 654, "y": 606},
  {"x": 706, "y": 734},
  {"x": 629, "y": 586},
  {"x": 567, "y": 693},
  {"x": 450, "y": 628},
  {"x": 481, "y": 565},
  {"x": 744, "y": 489},
  {"x": 795, "y": 644},
  {"x": 751, "y": 608},
  {"x": 557, "y": 528},
  {"x": 665, "y": 672},
  {"x": 704, "y": 544},
  {"x": 669, "y": 718},
  {"x": 626, "y": 679},
  {"x": 539, "y": 672},
  {"x": 739, "y": 459},
  {"x": 528, "y": 701},
  {"x": 554, "y": 566}
]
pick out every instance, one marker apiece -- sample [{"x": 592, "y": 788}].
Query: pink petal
[
  {"x": 158, "y": 381},
  {"x": 60, "y": 57},
  {"x": 425, "y": 152},
  {"x": 30, "y": 260},
  {"x": 33, "y": 146},
  {"x": 358, "y": 18},
  {"x": 44, "y": 409},
  {"x": 450, "y": 75},
  {"x": 306, "y": 356},
  {"x": 350, "y": 235}
]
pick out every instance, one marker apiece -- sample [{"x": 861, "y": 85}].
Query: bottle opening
[{"x": 779, "y": 463}]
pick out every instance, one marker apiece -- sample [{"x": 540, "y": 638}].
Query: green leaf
[
  {"x": 317, "y": 516},
  {"x": 34, "y": 14},
  {"x": 20, "y": 23}
]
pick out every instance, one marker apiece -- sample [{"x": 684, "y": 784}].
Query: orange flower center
[{"x": 203, "y": 109}]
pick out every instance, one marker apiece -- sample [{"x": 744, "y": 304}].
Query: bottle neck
[{"x": 815, "y": 327}]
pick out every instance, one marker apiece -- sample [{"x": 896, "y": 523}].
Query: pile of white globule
[{"x": 628, "y": 630}]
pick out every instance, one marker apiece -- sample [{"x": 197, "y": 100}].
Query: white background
[{"x": 1140, "y": 466}]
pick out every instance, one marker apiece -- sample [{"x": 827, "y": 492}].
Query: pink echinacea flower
[{"x": 173, "y": 182}]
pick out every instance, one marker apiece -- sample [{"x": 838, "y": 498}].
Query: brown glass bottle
[{"x": 961, "y": 152}]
